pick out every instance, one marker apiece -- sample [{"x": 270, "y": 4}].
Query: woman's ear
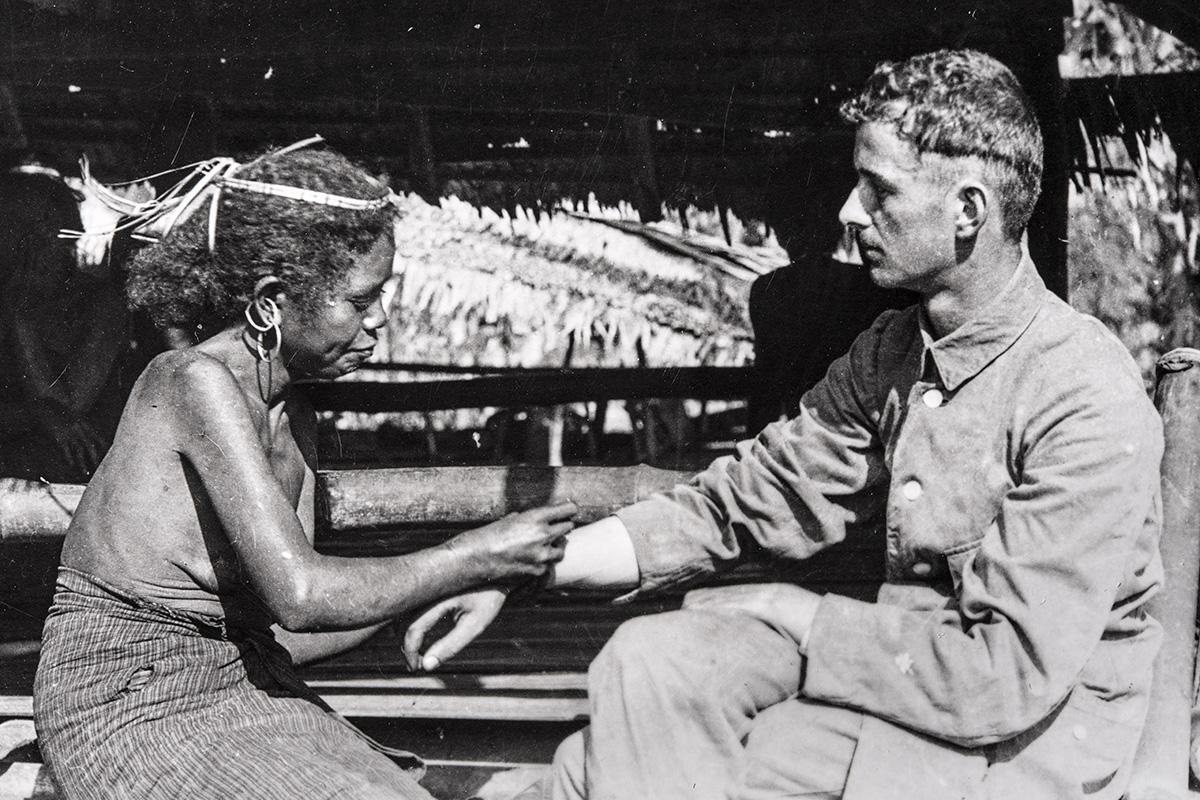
[{"x": 269, "y": 286}]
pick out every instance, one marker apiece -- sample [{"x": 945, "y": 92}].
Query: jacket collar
[{"x": 963, "y": 353}]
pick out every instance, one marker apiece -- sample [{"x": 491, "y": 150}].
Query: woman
[{"x": 189, "y": 585}]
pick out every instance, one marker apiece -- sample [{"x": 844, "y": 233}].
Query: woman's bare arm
[
  {"x": 307, "y": 647},
  {"x": 307, "y": 590}
]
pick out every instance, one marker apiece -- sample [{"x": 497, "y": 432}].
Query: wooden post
[
  {"x": 420, "y": 155},
  {"x": 1163, "y": 754},
  {"x": 639, "y": 137},
  {"x": 1044, "y": 84}
]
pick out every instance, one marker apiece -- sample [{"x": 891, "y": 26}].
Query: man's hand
[
  {"x": 473, "y": 612},
  {"x": 785, "y": 607},
  {"x": 1158, "y": 793}
]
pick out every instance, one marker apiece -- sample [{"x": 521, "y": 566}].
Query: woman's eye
[{"x": 362, "y": 303}]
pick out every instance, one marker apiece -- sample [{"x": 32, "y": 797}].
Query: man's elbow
[{"x": 1004, "y": 720}]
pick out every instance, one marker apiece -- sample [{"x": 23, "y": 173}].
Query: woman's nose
[{"x": 376, "y": 317}]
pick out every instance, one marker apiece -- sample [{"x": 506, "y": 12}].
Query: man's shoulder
[
  {"x": 1069, "y": 347},
  {"x": 1064, "y": 332}
]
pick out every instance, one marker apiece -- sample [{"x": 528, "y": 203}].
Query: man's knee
[
  {"x": 565, "y": 778},
  {"x": 692, "y": 650},
  {"x": 655, "y": 648}
]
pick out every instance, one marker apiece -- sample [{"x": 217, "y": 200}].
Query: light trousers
[{"x": 703, "y": 706}]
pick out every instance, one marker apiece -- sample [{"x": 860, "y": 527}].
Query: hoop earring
[{"x": 262, "y": 315}]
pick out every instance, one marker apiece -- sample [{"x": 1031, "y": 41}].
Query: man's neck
[{"x": 975, "y": 283}]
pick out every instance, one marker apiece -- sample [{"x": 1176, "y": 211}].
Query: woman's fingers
[
  {"x": 479, "y": 609},
  {"x": 414, "y": 637},
  {"x": 462, "y": 634},
  {"x": 559, "y": 511}
]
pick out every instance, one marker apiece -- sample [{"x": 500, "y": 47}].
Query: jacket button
[
  {"x": 933, "y": 398},
  {"x": 1079, "y": 732},
  {"x": 912, "y": 490},
  {"x": 921, "y": 569}
]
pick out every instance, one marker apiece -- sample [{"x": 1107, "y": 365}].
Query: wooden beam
[
  {"x": 548, "y": 389},
  {"x": 34, "y": 511},
  {"x": 356, "y": 499}
]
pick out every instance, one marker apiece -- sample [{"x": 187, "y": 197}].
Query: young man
[{"x": 1003, "y": 446}]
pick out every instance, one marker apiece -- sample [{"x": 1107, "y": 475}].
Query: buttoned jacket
[{"x": 1011, "y": 467}]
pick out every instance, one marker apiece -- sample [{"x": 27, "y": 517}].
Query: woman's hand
[
  {"x": 519, "y": 545},
  {"x": 472, "y": 612}
]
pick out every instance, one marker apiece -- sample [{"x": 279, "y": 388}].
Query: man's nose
[{"x": 852, "y": 212}]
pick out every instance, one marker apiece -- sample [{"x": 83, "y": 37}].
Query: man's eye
[{"x": 362, "y": 303}]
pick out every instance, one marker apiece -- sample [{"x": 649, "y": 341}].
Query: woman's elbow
[{"x": 293, "y": 606}]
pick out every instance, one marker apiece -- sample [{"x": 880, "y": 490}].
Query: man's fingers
[{"x": 559, "y": 529}]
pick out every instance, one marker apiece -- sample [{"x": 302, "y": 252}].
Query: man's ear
[{"x": 973, "y": 206}]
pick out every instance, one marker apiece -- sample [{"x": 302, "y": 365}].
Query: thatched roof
[
  {"x": 1134, "y": 108},
  {"x": 492, "y": 289}
]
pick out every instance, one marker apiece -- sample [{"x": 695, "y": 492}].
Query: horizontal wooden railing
[
  {"x": 433, "y": 497},
  {"x": 534, "y": 388}
]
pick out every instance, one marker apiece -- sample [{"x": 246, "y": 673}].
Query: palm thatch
[
  {"x": 1135, "y": 108},
  {"x": 542, "y": 290}
]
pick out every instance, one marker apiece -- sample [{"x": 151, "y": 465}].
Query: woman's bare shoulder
[{"x": 190, "y": 373}]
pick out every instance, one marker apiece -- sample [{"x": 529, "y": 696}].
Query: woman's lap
[{"x": 131, "y": 703}]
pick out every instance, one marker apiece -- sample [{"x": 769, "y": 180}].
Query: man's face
[{"x": 901, "y": 210}]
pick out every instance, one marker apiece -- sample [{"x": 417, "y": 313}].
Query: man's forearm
[{"x": 598, "y": 556}]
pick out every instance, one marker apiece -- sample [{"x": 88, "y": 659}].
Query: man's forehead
[{"x": 880, "y": 150}]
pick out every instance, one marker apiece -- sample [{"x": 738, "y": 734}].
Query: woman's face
[{"x": 340, "y": 333}]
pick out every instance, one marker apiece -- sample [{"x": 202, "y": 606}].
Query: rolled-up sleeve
[
  {"x": 797, "y": 488},
  {"x": 1035, "y": 594}
]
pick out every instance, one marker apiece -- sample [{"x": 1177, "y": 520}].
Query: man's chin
[{"x": 879, "y": 275}]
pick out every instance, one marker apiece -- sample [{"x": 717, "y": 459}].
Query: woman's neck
[{"x": 269, "y": 380}]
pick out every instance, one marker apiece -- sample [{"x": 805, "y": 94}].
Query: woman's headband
[{"x": 153, "y": 220}]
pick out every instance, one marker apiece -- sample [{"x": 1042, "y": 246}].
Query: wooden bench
[{"x": 519, "y": 688}]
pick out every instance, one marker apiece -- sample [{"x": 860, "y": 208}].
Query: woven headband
[{"x": 153, "y": 220}]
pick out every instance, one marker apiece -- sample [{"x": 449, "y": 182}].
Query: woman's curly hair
[{"x": 308, "y": 247}]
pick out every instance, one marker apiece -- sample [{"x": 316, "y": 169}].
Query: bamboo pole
[
  {"x": 1162, "y": 758},
  {"x": 382, "y": 498}
]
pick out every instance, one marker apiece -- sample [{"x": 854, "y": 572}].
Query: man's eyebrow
[{"x": 875, "y": 177}]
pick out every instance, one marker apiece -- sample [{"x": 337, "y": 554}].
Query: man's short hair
[{"x": 961, "y": 104}]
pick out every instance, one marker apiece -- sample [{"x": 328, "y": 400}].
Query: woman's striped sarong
[{"x": 135, "y": 700}]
